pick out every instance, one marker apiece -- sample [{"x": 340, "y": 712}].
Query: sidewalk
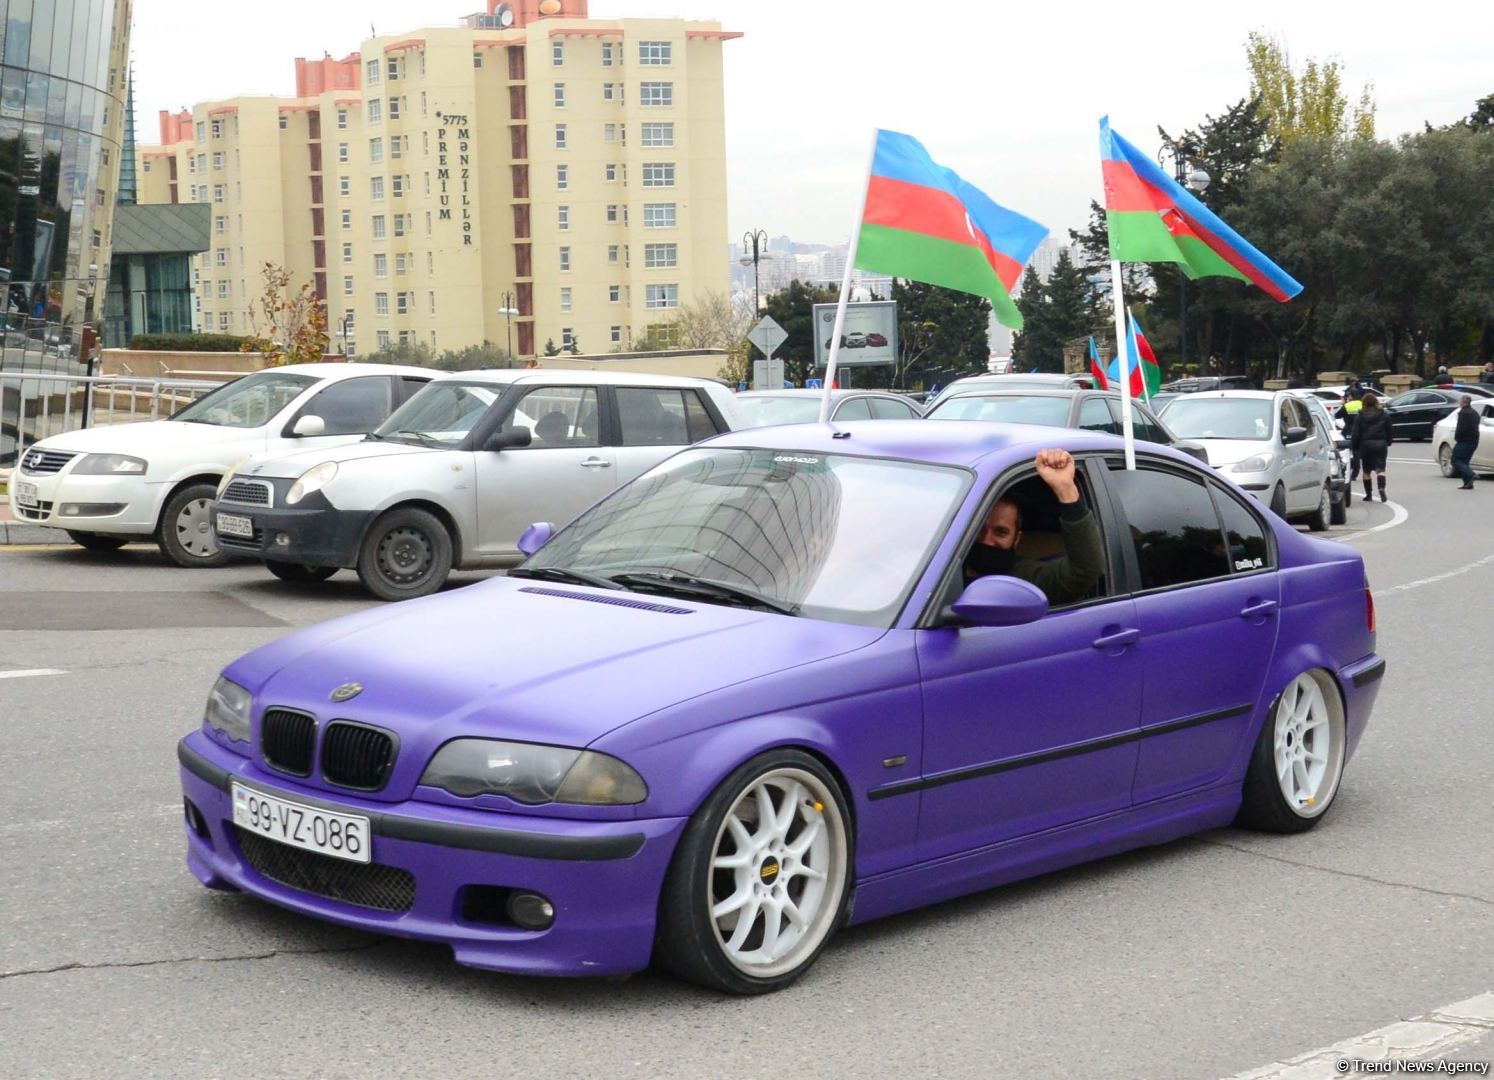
[{"x": 19, "y": 532}]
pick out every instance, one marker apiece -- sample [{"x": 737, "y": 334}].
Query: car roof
[
  {"x": 339, "y": 370},
  {"x": 835, "y": 394},
  {"x": 1258, "y": 395},
  {"x": 501, "y": 376}
]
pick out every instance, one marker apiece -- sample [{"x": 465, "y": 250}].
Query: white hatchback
[
  {"x": 109, "y": 485},
  {"x": 457, "y": 474}
]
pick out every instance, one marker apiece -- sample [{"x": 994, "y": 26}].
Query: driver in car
[{"x": 1064, "y": 579}]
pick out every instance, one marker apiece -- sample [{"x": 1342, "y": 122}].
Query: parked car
[
  {"x": 1092, "y": 410},
  {"x": 751, "y": 697},
  {"x": 1414, "y": 413},
  {"x": 759, "y": 408},
  {"x": 1266, "y": 441},
  {"x": 1030, "y": 381},
  {"x": 452, "y": 478},
  {"x": 1209, "y": 382},
  {"x": 1329, "y": 430},
  {"x": 1442, "y": 438},
  {"x": 109, "y": 485}
]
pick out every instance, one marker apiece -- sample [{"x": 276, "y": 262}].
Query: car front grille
[
  {"x": 44, "y": 462},
  {"x": 38, "y": 512},
  {"x": 244, "y": 543},
  {"x": 370, "y": 885},
  {"x": 357, "y": 756},
  {"x": 249, "y": 492},
  {"x": 287, "y": 740}
]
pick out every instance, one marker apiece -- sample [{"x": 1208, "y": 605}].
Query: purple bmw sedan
[{"x": 793, "y": 678}]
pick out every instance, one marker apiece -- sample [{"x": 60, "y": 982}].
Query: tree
[
  {"x": 793, "y": 309},
  {"x": 940, "y": 332},
  {"x": 550, "y": 349},
  {"x": 574, "y": 348},
  {"x": 1053, "y": 313},
  {"x": 287, "y": 326},
  {"x": 1309, "y": 103},
  {"x": 713, "y": 321},
  {"x": 1482, "y": 117}
]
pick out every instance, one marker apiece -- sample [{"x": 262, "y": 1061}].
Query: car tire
[
  {"x": 1298, "y": 760},
  {"x": 405, "y": 554},
  {"x": 97, "y": 541},
  {"x": 185, "y": 533},
  {"x": 299, "y": 573},
  {"x": 726, "y": 854},
  {"x": 1279, "y": 502},
  {"x": 1338, "y": 513},
  {"x": 1444, "y": 460},
  {"x": 1318, "y": 520}
]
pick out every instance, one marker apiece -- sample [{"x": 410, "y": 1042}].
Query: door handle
[
  {"x": 1128, "y": 636},
  {"x": 1262, "y": 608},
  {"x": 596, "y": 463}
]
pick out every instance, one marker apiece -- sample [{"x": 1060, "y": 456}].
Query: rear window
[{"x": 1052, "y": 411}]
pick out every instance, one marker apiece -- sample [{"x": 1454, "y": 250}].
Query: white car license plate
[
  {"x": 342, "y": 836},
  {"x": 235, "y": 525},
  {"x": 26, "y": 494}
]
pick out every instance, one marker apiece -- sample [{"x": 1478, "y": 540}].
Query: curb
[{"x": 12, "y": 533}]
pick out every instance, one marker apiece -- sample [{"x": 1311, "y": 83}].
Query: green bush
[{"x": 187, "y": 342}]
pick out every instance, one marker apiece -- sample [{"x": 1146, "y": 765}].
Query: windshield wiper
[
  {"x": 372, "y": 436},
  {"x": 686, "y": 585},
  {"x": 425, "y": 440},
  {"x": 559, "y": 573}
]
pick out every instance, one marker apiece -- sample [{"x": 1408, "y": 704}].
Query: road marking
[
  {"x": 1398, "y": 517},
  {"x": 1432, "y": 1037},
  {"x": 26, "y": 674},
  {"x": 1412, "y": 461},
  {"x": 1485, "y": 561}
]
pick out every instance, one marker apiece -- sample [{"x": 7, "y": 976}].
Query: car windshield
[
  {"x": 249, "y": 402},
  {"x": 763, "y": 411},
  {"x": 1053, "y": 411},
  {"x": 440, "y": 414},
  {"x": 807, "y": 532},
  {"x": 1220, "y": 418}
]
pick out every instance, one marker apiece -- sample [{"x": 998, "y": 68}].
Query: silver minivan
[{"x": 1265, "y": 441}]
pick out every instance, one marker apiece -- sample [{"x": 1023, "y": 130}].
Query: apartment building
[{"x": 531, "y": 160}]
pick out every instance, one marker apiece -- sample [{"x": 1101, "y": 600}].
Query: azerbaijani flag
[
  {"x": 1153, "y": 218},
  {"x": 1146, "y": 374},
  {"x": 1101, "y": 383},
  {"x": 924, "y": 223}
]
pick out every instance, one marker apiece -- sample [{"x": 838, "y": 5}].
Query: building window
[
  {"x": 376, "y": 187},
  {"x": 656, "y": 93},
  {"x": 609, "y": 172},
  {"x": 613, "y": 251},
  {"x": 560, "y": 95},
  {"x": 284, "y": 126},
  {"x": 381, "y": 265},
  {"x": 222, "y": 320},
  {"x": 407, "y": 337},
  {"x": 375, "y": 150},
  {"x": 614, "y": 294},
  {"x": 397, "y": 184},
  {"x": 217, "y": 161},
  {"x": 563, "y": 218},
  {"x": 347, "y": 286},
  {"x": 609, "y": 50},
  {"x": 557, "y": 53},
  {"x": 654, "y": 53},
  {"x": 658, "y": 133},
  {"x": 344, "y": 186},
  {"x": 399, "y": 264},
  {"x": 191, "y": 163},
  {"x": 393, "y": 67},
  {"x": 660, "y": 256},
  {"x": 220, "y": 257},
  {"x": 609, "y": 133},
  {"x": 612, "y": 213},
  {"x": 399, "y": 224},
  {"x": 658, "y": 215},
  {"x": 567, "y": 337},
  {"x": 378, "y": 226},
  {"x": 382, "y": 337},
  {"x": 201, "y": 131},
  {"x": 397, "y": 145},
  {"x": 202, "y": 163},
  {"x": 217, "y": 193},
  {"x": 342, "y": 152},
  {"x": 402, "y": 303},
  {"x": 658, "y": 174},
  {"x": 373, "y": 71},
  {"x": 476, "y": 59},
  {"x": 662, "y": 296},
  {"x": 222, "y": 290},
  {"x": 217, "y": 129},
  {"x": 565, "y": 258},
  {"x": 394, "y": 108},
  {"x": 562, "y": 177},
  {"x": 381, "y": 303},
  {"x": 560, "y": 136},
  {"x": 375, "y": 110},
  {"x": 617, "y": 335},
  {"x": 565, "y": 298},
  {"x": 612, "y": 92},
  {"x": 347, "y": 253},
  {"x": 220, "y": 225},
  {"x": 342, "y": 119},
  {"x": 347, "y": 219}
]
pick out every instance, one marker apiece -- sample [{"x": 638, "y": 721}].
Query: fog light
[
  {"x": 531, "y": 911},
  {"x": 195, "y": 821},
  {"x": 90, "y": 509},
  {"x": 282, "y": 540}
]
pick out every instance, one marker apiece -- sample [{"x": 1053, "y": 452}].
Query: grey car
[{"x": 760, "y": 408}]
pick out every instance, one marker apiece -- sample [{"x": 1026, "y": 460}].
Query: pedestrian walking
[
  {"x": 1488, "y": 374},
  {"x": 1353, "y": 406},
  {"x": 1371, "y": 442},
  {"x": 1465, "y": 441}
]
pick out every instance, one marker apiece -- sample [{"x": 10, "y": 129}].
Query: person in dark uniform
[
  {"x": 1465, "y": 441},
  {"x": 1371, "y": 443}
]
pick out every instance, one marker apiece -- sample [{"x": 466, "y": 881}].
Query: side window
[
  {"x": 1244, "y": 535},
  {"x": 1286, "y": 420},
  {"x": 855, "y": 409},
  {"x": 409, "y": 386},
  {"x": 352, "y": 406},
  {"x": 558, "y": 416},
  {"x": 1303, "y": 417},
  {"x": 651, "y": 416},
  {"x": 887, "y": 409},
  {"x": 1173, "y": 526},
  {"x": 698, "y": 422},
  {"x": 1146, "y": 431},
  {"x": 1095, "y": 415}
]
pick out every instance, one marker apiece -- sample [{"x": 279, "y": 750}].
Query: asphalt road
[{"x": 1209, "y": 957}]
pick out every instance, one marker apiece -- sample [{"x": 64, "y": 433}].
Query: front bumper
[
  {"x": 603, "y": 877},
  {"x": 314, "y": 535},
  {"x": 123, "y": 505}
]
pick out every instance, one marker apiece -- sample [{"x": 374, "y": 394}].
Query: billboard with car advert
[{"x": 869, "y": 335}]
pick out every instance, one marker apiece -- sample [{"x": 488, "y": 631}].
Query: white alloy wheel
[
  {"x": 778, "y": 872},
  {"x": 1307, "y": 747}
]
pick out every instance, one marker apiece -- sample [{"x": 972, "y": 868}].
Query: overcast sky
[{"x": 1007, "y": 93}]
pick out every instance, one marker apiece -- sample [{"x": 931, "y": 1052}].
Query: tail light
[{"x": 1369, "y": 608}]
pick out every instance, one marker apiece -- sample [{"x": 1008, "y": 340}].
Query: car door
[
  {"x": 652, "y": 422},
  {"x": 1301, "y": 471},
  {"x": 1027, "y": 728},
  {"x": 564, "y": 469},
  {"x": 1202, "y": 564},
  {"x": 1483, "y": 455}
]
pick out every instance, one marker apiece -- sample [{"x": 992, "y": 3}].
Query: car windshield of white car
[
  {"x": 763, "y": 411},
  {"x": 249, "y": 402},
  {"x": 1053, "y": 411},
  {"x": 808, "y": 533},
  {"x": 441, "y": 414},
  {"x": 1220, "y": 418}
]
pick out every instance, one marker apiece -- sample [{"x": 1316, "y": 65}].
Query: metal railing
[{"x": 35, "y": 405}]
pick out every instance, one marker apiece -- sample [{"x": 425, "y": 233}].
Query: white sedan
[
  {"x": 156, "y": 480},
  {"x": 1442, "y": 439}
]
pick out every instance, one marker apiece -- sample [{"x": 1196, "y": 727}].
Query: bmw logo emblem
[{"x": 347, "y": 691}]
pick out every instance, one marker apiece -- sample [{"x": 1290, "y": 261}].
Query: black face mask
[{"x": 985, "y": 560}]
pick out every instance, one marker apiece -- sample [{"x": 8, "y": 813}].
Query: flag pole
[
  {"x": 845, "y": 286},
  {"x": 1124, "y": 353}
]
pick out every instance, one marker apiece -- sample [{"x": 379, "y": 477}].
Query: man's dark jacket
[{"x": 1467, "y": 429}]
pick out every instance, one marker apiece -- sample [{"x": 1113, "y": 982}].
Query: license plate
[
  {"x": 235, "y": 525},
  {"x": 342, "y": 836},
  {"x": 26, "y": 494}
]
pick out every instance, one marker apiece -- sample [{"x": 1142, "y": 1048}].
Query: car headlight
[
  {"x": 110, "y": 465},
  {"x": 228, "y": 709},
  {"x": 533, "y": 774},
  {"x": 1259, "y": 463},
  {"x": 313, "y": 479}
]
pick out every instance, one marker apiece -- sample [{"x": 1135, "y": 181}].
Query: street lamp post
[
  {"x": 347, "y": 324},
  {"x": 509, "y": 311},
  {"x": 1195, "y": 180},
  {"x": 757, "y": 241}
]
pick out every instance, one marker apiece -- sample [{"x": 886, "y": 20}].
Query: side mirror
[
  {"x": 1294, "y": 435},
  {"x": 310, "y": 424},
  {"x": 536, "y": 537},
  {"x": 1197, "y": 451},
  {"x": 999, "y": 600},
  {"x": 502, "y": 440},
  {"x": 1341, "y": 444}
]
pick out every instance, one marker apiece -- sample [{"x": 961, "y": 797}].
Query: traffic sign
[{"x": 767, "y": 335}]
